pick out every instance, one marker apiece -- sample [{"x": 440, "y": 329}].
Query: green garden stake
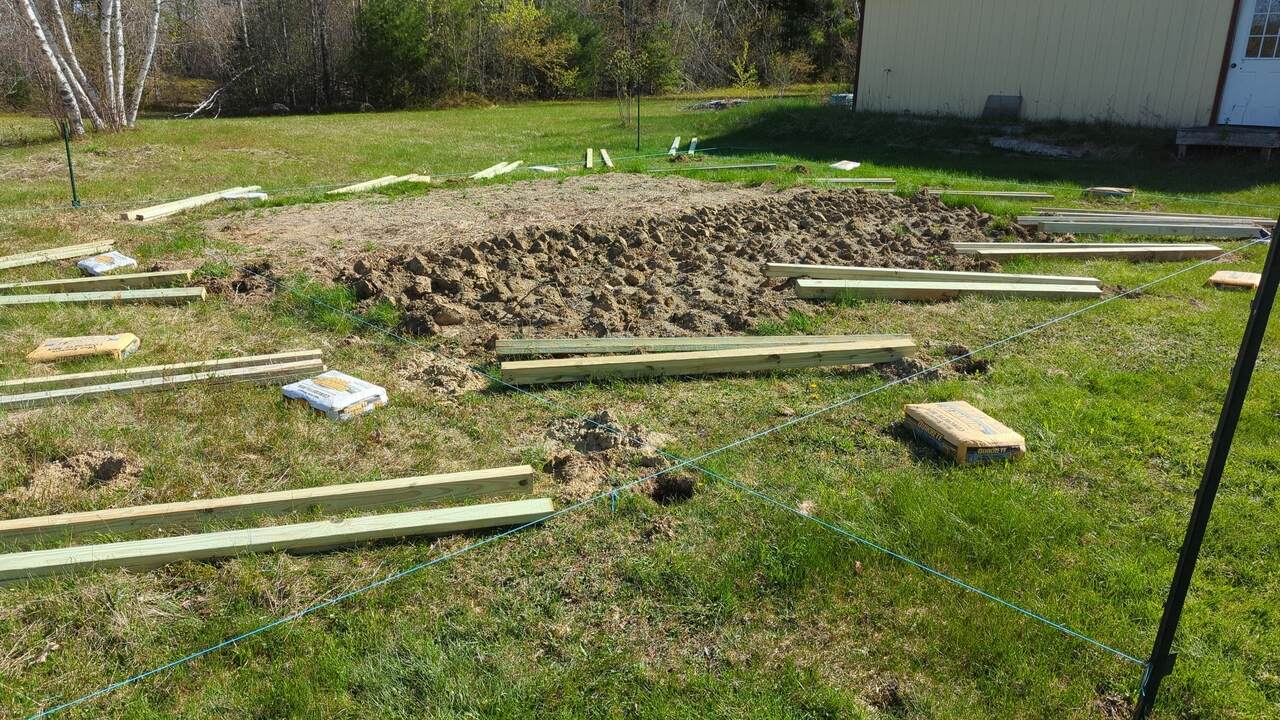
[{"x": 71, "y": 171}]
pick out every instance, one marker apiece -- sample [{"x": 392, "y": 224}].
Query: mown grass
[{"x": 722, "y": 606}]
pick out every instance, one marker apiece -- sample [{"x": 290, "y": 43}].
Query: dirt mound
[
  {"x": 74, "y": 474},
  {"x": 444, "y": 377},
  {"x": 696, "y": 273},
  {"x": 256, "y": 280},
  {"x": 587, "y": 456},
  {"x": 915, "y": 366}
]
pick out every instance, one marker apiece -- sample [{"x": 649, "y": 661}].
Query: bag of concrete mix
[
  {"x": 1235, "y": 280},
  {"x": 64, "y": 348},
  {"x": 337, "y": 395},
  {"x": 106, "y": 263},
  {"x": 964, "y": 432}
]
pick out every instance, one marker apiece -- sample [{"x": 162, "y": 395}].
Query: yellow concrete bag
[
  {"x": 1235, "y": 280},
  {"x": 54, "y": 349},
  {"x": 964, "y": 432}
]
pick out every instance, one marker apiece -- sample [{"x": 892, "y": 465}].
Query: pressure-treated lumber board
[
  {"x": 815, "y": 289},
  {"x": 748, "y": 166},
  {"x": 693, "y": 146},
  {"x": 131, "y": 281},
  {"x": 1207, "y": 231},
  {"x": 372, "y": 184},
  {"x": 300, "y": 537},
  {"x": 526, "y": 372},
  {"x": 98, "y": 377},
  {"x": 1052, "y": 245},
  {"x": 163, "y": 296},
  {"x": 590, "y": 159},
  {"x": 53, "y": 254},
  {"x": 507, "y": 167},
  {"x": 1126, "y": 252},
  {"x": 844, "y": 272},
  {"x": 1131, "y": 220},
  {"x": 993, "y": 193},
  {"x": 857, "y": 181},
  {"x": 604, "y": 158},
  {"x": 493, "y": 482},
  {"x": 489, "y": 171},
  {"x": 258, "y": 375},
  {"x": 675, "y": 145},
  {"x": 584, "y": 346},
  {"x": 1152, "y": 213},
  {"x": 155, "y": 212}
]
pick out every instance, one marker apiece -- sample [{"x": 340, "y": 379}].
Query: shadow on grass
[{"x": 1142, "y": 157}]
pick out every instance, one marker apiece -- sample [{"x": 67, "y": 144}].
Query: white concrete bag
[
  {"x": 337, "y": 395},
  {"x": 105, "y": 263}
]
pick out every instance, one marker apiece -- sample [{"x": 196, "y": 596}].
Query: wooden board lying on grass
[
  {"x": 814, "y": 289},
  {"x": 586, "y": 346},
  {"x": 1133, "y": 220},
  {"x": 54, "y": 254},
  {"x": 747, "y": 166},
  {"x": 845, "y": 272},
  {"x": 1072, "y": 250},
  {"x": 604, "y": 158},
  {"x": 858, "y": 181},
  {"x": 155, "y": 212},
  {"x": 371, "y": 184},
  {"x": 257, "y": 375},
  {"x": 1091, "y": 227},
  {"x": 300, "y": 537},
  {"x": 98, "y": 377},
  {"x": 494, "y": 482},
  {"x": 1017, "y": 194},
  {"x": 159, "y": 296},
  {"x": 129, "y": 281},
  {"x": 527, "y": 372},
  {"x": 1153, "y": 213}
]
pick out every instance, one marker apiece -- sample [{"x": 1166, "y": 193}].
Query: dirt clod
[
  {"x": 75, "y": 474},
  {"x": 969, "y": 365},
  {"x": 586, "y": 456},
  {"x": 443, "y": 377},
  {"x": 249, "y": 281}
]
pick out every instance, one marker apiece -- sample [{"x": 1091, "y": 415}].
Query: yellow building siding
[{"x": 1141, "y": 62}]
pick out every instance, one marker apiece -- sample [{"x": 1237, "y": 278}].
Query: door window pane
[{"x": 1264, "y": 31}]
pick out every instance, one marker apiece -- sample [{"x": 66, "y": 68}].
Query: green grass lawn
[{"x": 720, "y": 606}]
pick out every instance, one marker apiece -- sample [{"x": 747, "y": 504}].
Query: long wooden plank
[
  {"x": 371, "y": 184},
  {"x": 746, "y": 166},
  {"x": 815, "y": 289},
  {"x": 155, "y": 212},
  {"x": 1151, "y": 213},
  {"x": 844, "y": 272},
  {"x": 263, "y": 374},
  {"x": 590, "y": 158},
  {"x": 489, "y": 171},
  {"x": 99, "y": 377},
  {"x": 493, "y": 482},
  {"x": 525, "y": 372},
  {"x": 993, "y": 193},
  {"x": 162, "y": 296},
  {"x": 604, "y": 158},
  {"x": 54, "y": 254},
  {"x": 1133, "y": 220},
  {"x": 675, "y": 145},
  {"x": 584, "y": 346},
  {"x": 1145, "y": 252},
  {"x": 1207, "y": 231},
  {"x": 130, "y": 281},
  {"x": 299, "y": 537},
  {"x": 858, "y": 181},
  {"x": 1060, "y": 244},
  {"x": 508, "y": 167}
]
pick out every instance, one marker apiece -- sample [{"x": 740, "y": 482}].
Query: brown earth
[
  {"x": 54, "y": 482},
  {"x": 588, "y": 455},
  {"x": 698, "y": 271}
]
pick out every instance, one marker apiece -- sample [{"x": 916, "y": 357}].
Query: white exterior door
[{"x": 1251, "y": 93}]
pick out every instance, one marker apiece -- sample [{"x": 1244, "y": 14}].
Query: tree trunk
[
  {"x": 73, "y": 60},
  {"x": 152, "y": 31},
  {"x": 65, "y": 92},
  {"x": 105, "y": 10},
  {"x": 244, "y": 24},
  {"x": 119, "y": 89}
]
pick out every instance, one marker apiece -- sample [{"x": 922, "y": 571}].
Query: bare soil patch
[
  {"x": 90, "y": 471},
  {"x": 586, "y": 456}
]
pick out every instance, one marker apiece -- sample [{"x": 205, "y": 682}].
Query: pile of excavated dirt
[
  {"x": 587, "y": 456},
  {"x": 699, "y": 272},
  {"x": 87, "y": 471},
  {"x": 442, "y": 376}
]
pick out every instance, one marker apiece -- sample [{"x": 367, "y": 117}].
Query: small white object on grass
[
  {"x": 245, "y": 196},
  {"x": 106, "y": 262},
  {"x": 338, "y": 395},
  {"x": 545, "y": 168},
  {"x": 846, "y": 165}
]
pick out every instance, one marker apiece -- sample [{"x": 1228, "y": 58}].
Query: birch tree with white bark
[{"x": 109, "y": 98}]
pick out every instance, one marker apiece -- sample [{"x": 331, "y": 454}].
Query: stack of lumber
[
  {"x": 256, "y": 369},
  {"x": 719, "y": 355},
  {"x": 1084, "y": 222},
  {"x": 54, "y": 254},
  {"x": 155, "y": 212},
  {"x": 300, "y": 537},
  {"x": 1119, "y": 251},
  {"x": 825, "y": 282},
  {"x": 493, "y": 171},
  {"x": 130, "y": 281},
  {"x": 164, "y": 296}
]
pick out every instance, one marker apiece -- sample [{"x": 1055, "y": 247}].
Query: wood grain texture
[
  {"x": 1218, "y": 231},
  {"x": 54, "y": 254},
  {"x": 128, "y": 281},
  {"x": 494, "y": 482},
  {"x": 1127, "y": 252},
  {"x": 154, "y": 296},
  {"x": 97, "y": 377},
  {"x": 814, "y": 289},
  {"x": 299, "y": 537},
  {"x": 584, "y": 346},
  {"x": 846, "y": 272},
  {"x": 155, "y": 212},
  {"x": 704, "y": 363},
  {"x": 263, "y": 374}
]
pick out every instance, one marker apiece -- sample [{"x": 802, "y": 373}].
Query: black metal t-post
[
  {"x": 71, "y": 170},
  {"x": 637, "y": 116},
  {"x": 1161, "y": 661}
]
